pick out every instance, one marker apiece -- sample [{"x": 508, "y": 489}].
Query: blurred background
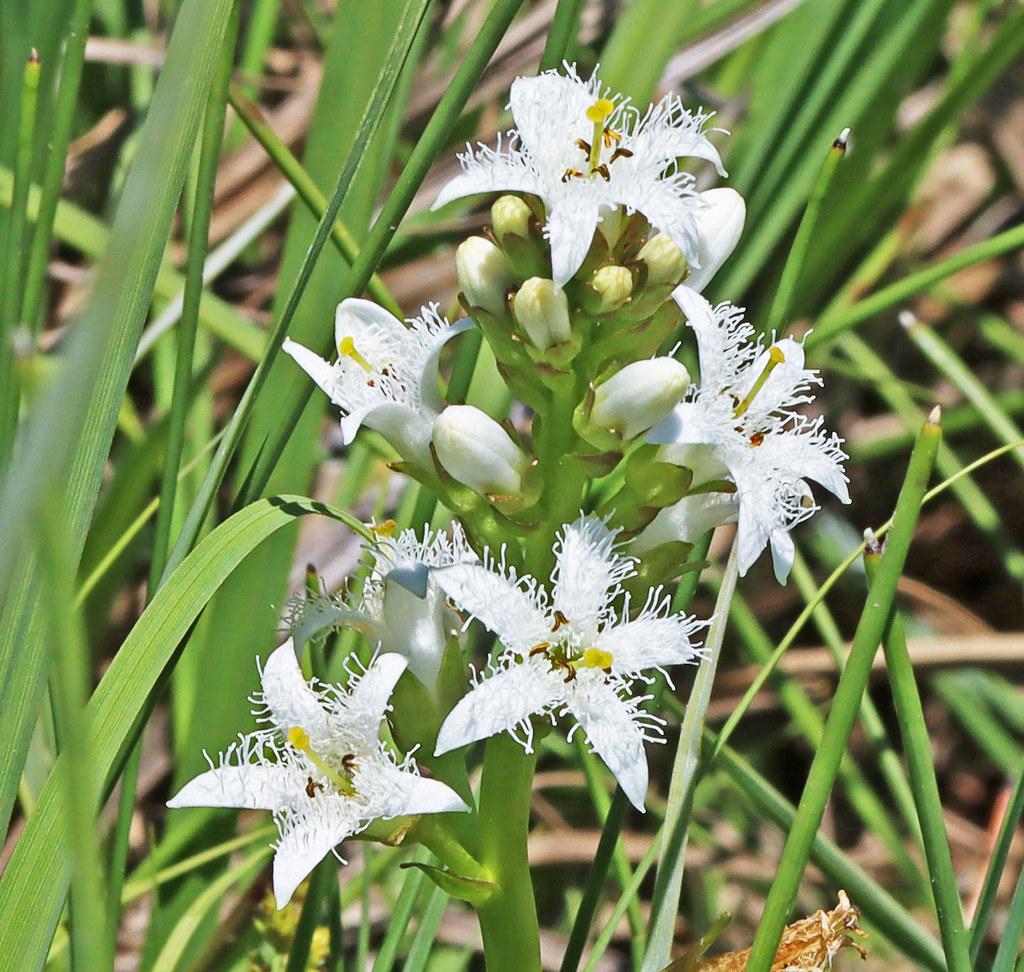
[{"x": 912, "y": 284}]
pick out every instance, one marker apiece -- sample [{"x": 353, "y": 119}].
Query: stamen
[
  {"x": 598, "y": 113},
  {"x": 560, "y": 620},
  {"x": 298, "y": 738},
  {"x": 775, "y": 358},
  {"x": 347, "y": 349}
]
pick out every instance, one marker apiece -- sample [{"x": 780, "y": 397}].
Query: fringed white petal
[
  {"x": 655, "y": 639},
  {"x": 246, "y": 786},
  {"x": 305, "y": 842},
  {"x": 411, "y": 795},
  {"x": 289, "y": 699},
  {"x": 570, "y": 231}
]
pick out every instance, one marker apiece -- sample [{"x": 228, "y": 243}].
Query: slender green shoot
[
  {"x": 918, "y": 752},
  {"x": 1013, "y": 931},
  {"x": 561, "y": 34},
  {"x": 846, "y": 702}
]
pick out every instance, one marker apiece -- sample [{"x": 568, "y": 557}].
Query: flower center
[
  {"x": 347, "y": 349},
  {"x": 775, "y": 358},
  {"x": 562, "y": 656},
  {"x": 299, "y": 739},
  {"x": 604, "y": 136}
]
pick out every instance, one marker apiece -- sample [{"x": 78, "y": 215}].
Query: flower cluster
[{"x": 598, "y": 252}]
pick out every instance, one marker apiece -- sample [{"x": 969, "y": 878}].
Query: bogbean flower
[
  {"x": 477, "y": 452},
  {"x": 741, "y": 426},
  {"x": 570, "y": 653},
  {"x": 319, "y": 765},
  {"x": 386, "y": 373},
  {"x": 584, "y": 152},
  {"x": 401, "y": 608}
]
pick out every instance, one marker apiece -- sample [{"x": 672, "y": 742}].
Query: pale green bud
[
  {"x": 510, "y": 216},
  {"x": 665, "y": 261},
  {"x": 542, "y": 312},
  {"x": 476, "y": 451},
  {"x": 719, "y": 223},
  {"x": 614, "y": 286},
  {"x": 484, "y": 275},
  {"x": 639, "y": 396}
]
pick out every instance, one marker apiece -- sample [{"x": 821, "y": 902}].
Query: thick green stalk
[
  {"x": 668, "y": 881},
  {"x": 508, "y": 919},
  {"x": 846, "y": 702},
  {"x": 918, "y": 752},
  {"x": 561, "y": 34},
  {"x": 56, "y": 156}
]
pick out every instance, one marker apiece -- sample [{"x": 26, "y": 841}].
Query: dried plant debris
[{"x": 808, "y": 945}]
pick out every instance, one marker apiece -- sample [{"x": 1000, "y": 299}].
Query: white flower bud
[
  {"x": 484, "y": 274},
  {"x": 542, "y": 312},
  {"x": 665, "y": 261},
  {"x": 639, "y": 396},
  {"x": 477, "y": 451},
  {"x": 719, "y": 223},
  {"x": 510, "y": 215},
  {"x": 614, "y": 286}
]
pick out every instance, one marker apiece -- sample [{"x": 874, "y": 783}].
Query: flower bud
[
  {"x": 614, "y": 286},
  {"x": 477, "y": 451},
  {"x": 542, "y": 312},
  {"x": 484, "y": 275},
  {"x": 510, "y": 216},
  {"x": 639, "y": 396},
  {"x": 665, "y": 261},
  {"x": 719, "y": 223}
]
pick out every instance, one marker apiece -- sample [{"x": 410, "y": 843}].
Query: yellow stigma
[
  {"x": 596, "y": 658},
  {"x": 775, "y": 358},
  {"x": 347, "y": 349},
  {"x": 600, "y": 110},
  {"x": 385, "y": 529},
  {"x": 298, "y": 738}
]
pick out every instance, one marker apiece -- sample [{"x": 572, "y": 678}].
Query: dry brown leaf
[{"x": 808, "y": 945}]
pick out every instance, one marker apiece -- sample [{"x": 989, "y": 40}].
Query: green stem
[
  {"x": 918, "y": 751},
  {"x": 668, "y": 881},
  {"x": 846, "y": 703},
  {"x": 508, "y": 919},
  {"x": 561, "y": 34}
]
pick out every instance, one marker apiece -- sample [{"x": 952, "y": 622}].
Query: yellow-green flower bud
[
  {"x": 665, "y": 261},
  {"x": 510, "y": 216},
  {"x": 484, "y": 275},
  {"x": 639, "y": 396},
  {"x": 614, "y": 286},
  {"x": 542, "y": 312},
  {"x": 476, "y": 451}
]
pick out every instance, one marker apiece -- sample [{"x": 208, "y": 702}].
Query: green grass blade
[
  {"x": 1013, "y": 931},
  {"x": 846, "y": 702},
  {"x": 74, "y": 419},
  {"x": 668, "y": 881},
  {"x": 561, "y": 40},
  {"x": 918, "y": 751},
  {"x": 429, "y": 922},
  {"x": 33, "y": 885},
  {"x": 996, "y": 864},
  {"x": 56, "y": 155},
  {"x": 317, "y": 891}
]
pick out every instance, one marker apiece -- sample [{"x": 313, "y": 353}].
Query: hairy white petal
[
  {"x": 502, "y": 702},
  {"x": 654, "y": 639},
  {"x": 289, "y": 699},
  {"x": 247, "y": 786},
  {"x": 570, "y": 231},
  {"x": 412, "y": 795},
  {"x": 588, "y": 574}
]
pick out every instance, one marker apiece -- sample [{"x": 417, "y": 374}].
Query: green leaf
[
  {"x": 468, "y": 889},
  {"x": 33, "y": 886}
]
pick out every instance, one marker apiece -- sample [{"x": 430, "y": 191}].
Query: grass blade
[
  {"x": 1013, "y": 931},
  {"x": 561, "y": 40},
  {"x": 918, "y": 751},
  {"x": 846, "y": 702}
]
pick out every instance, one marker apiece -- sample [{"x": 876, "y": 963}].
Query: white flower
[
  {"x": 319, "y": 766},
  {"x": 386, "y": 373},
  {"x": 401, "y": 609},
  {"x": 583, "y": 152},
  {"x": 741, "y": 425},
  {"x": 571, "y": 653}
]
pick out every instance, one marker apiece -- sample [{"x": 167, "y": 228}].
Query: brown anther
[
  {"x": 571, "y": 174},
  {"x": 312, "y": 786},
  {"x": 348, "y": 762},
  {"x": 610, "y": 137},
  {"x": 570, "y": 672},
  {"x": 602, "y": 171},
  {"x": 583, "y": 145},
  {"x": 607, "y": 670},
  {"x": 560, "y": 620},
  {"x": 540, "y": 649},
  {"x": 620, "y": 153},
  {"x": 757, "y": 439}
]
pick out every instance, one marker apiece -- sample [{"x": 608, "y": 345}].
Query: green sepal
[
  {"x": 470, "y": 890},
  {"x": 390, "y": 832},
  {"x": 526, "y": 257},
  {"x": 662, "y": 564}
]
